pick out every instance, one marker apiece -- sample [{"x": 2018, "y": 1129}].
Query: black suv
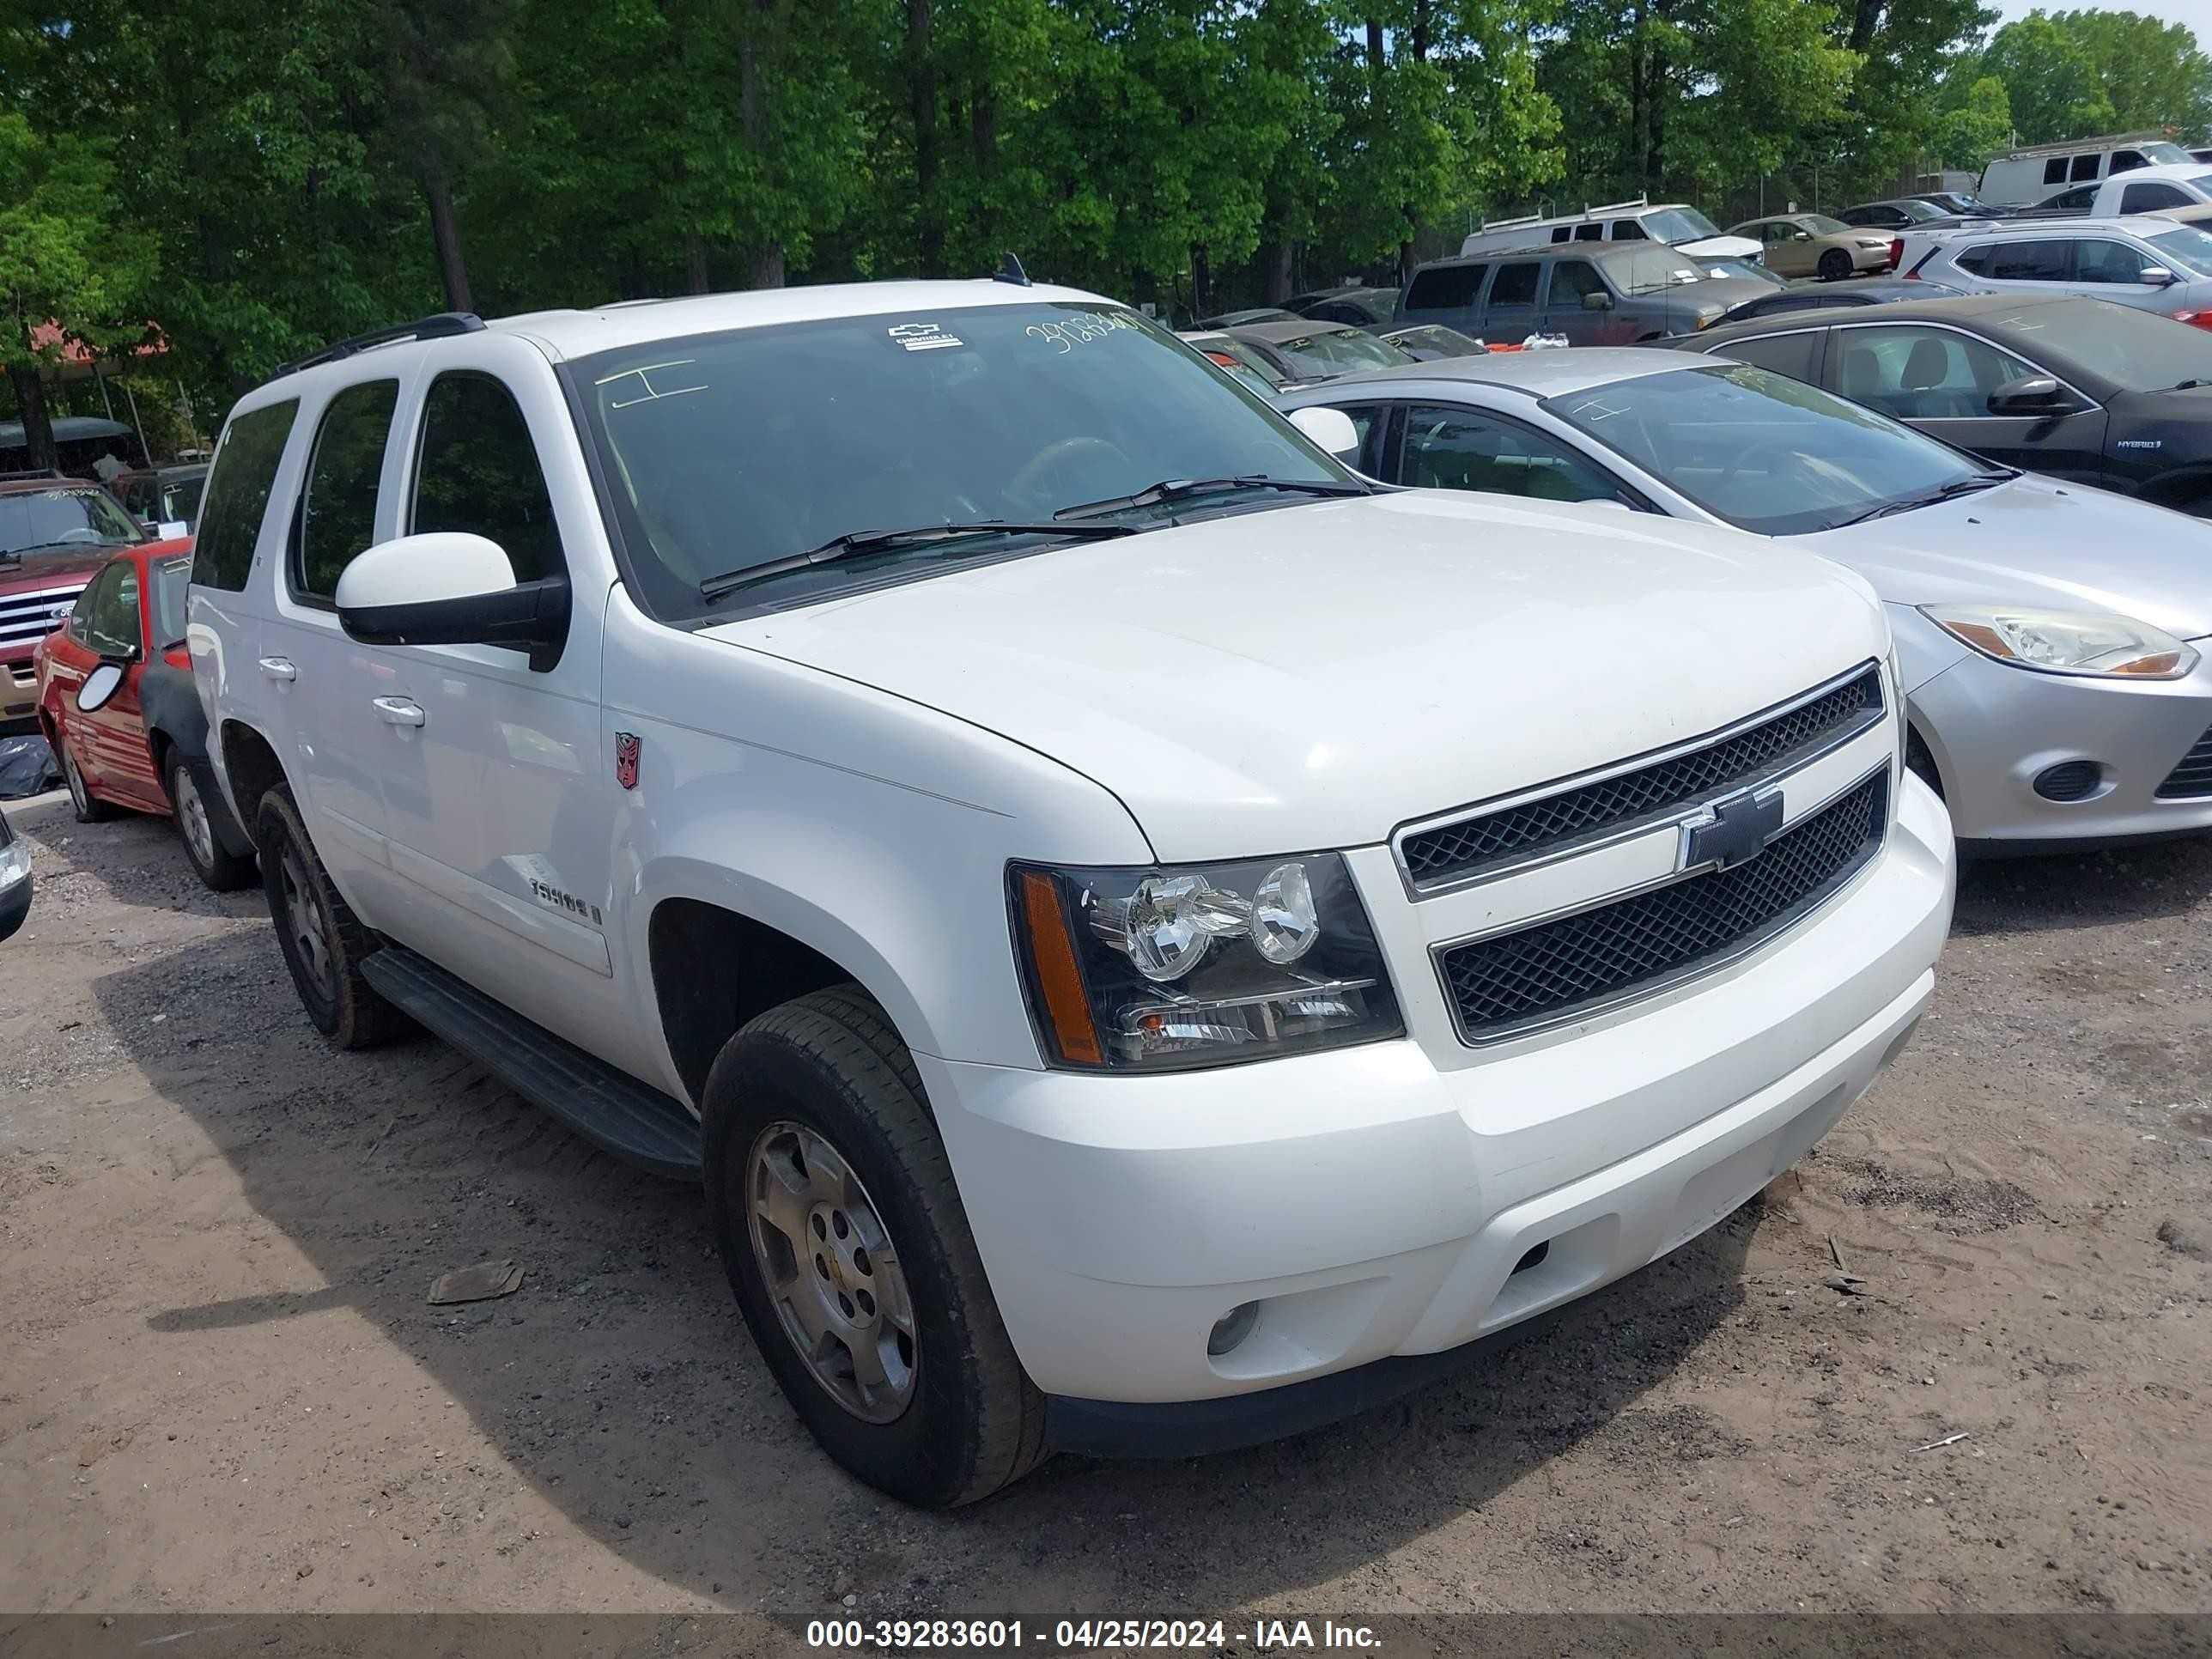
[{"x": 2081, "y": 389}]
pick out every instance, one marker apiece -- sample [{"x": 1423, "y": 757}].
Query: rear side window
[
  {"x": 2084, "y": 167},
  {"x": 2150, "y": 196},
  {"x": 1589, "y": 232},
  {"x": 2054, "y": 171},
  {"x": 1797, "y": 355},
  {"x": 1560, "y": 233},
  {"x": 2124, "y": 161},
  {"x": 1515, "y": 285},
  {"x": 479, "y": 472},
  {"x": 1445, "y": 288},
  {"x": 2027, "y": 261},
  {"x": 238, "y": 494},
  {"x": 1976, "y": 260},
  {"x": 337, "y": 515}
]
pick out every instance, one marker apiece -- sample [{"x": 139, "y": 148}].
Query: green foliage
[
  {"x": 2050, "y": 80},
  {"x": 2152, "y": 71},
  {"x": 256, "y": 186},
  {"x": 66, "y": 256}
]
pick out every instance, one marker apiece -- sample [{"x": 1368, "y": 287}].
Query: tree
[
  {"x": 69, "y": 268},
  {"x": 2152, "y": 71},
  {"x": 1970, "y": 131},
  {"x": 2050, "y": 81}
]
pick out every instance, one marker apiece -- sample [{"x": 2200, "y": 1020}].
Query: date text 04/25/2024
[{"x": 1082, "y": 1635}]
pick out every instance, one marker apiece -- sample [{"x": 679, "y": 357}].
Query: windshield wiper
[
  {"x": 856, "y": 542},
  {"x": 1177, "y": 489},
  {"x": 1966, "y": 486}
]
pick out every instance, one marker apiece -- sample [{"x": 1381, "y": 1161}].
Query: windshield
[
  {"x": 1821, "y": 225},
  {"x": 1339, "y": 351},
  {"x": 2136, "y": 351},
  {"x": 171, "y": 578},
  {"x": 2185, "y": 248},
  {"x": 1651, "y": 268},
  {"x": 73, "y": 518},
  {"x": 726, "y": 451},
  {"x": 2159, "y": 153},
  {"x": 1763, "y": 451},
  {"x": 1757, "y": 273},
  {"x": 1681, "y": 224}
]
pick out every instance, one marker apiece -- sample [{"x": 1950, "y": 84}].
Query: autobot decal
[{"x": 626, "y": 759}]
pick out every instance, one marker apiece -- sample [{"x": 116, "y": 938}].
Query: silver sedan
[{"x": 2052, "y": 638}]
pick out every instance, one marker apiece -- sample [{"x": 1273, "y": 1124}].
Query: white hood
[{"x": 1312, "y": 675}]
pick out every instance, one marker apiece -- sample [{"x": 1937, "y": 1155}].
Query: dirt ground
[{"x": 221, "y": 1387}]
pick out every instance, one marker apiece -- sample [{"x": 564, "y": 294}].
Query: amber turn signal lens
[{"x": 1058, "y": 980}]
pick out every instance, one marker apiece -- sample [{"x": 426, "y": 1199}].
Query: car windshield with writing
[
  {"x": 930, "y": 440},
  {"x": 1768, "y": 454},
  {"x": 2185, "y": 249},
  {"x": 69, "y": 518},
  {"x": 2130, "y": 349},
  {"x": 1339, "y": 351}
]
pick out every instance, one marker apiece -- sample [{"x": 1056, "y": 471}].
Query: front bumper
[
  {"x": 1375, "y": 1204},
  {"x": 1993, "y": 730},
  {"x": 18, "y": 690}
]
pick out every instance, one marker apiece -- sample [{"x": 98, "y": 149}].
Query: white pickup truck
[{"x": 1149, "y": 940}]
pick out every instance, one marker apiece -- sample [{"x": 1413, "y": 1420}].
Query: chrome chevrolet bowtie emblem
[{"x": 1732, "y": 831}]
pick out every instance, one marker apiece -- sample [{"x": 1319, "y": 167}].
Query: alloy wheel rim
[
  {"x": 832, "y": 1272},
  {"x": 192, "y": 813},
  {"x": 303, "y": 921}
]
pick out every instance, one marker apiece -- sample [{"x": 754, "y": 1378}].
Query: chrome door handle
[
  {"x": 279, "y": 668},
  {"x": 399, "y": 711}
]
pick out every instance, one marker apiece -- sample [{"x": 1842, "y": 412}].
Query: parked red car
[
  {"x": 116, "y": 700},
  {"x": 55, "y": 533}
]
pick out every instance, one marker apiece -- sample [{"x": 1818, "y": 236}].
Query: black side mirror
[{"x": 2028, "y": 394}]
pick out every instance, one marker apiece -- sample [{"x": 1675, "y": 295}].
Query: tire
[
  {"x": 215, "y": 864},
  {"x": 303, "y": 904},
  {"x": 1835, "y": 265},
  {"x": 828, "y": 1066},
  {"x": 88, "y": 807}
]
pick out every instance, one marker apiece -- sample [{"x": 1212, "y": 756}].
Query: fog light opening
[
  {"x": 1533, "y": 1258},
  {"x": 2069, "y": 781},
  {"x": 1232, "y": 1328}
]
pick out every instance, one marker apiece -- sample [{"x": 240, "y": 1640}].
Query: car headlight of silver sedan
[{"x": 2093, "y": 642}]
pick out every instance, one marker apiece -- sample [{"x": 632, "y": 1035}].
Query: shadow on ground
[
  {"x": 2083, "y": 890},
  {"x": 622, "y": 1384}
]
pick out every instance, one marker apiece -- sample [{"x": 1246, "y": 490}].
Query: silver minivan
[{"x": 2145, "y": 261}]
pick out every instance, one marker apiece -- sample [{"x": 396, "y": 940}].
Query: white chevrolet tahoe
[{"x": 1149, "y": 940}]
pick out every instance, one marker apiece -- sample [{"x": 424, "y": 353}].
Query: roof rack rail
[
  {"x": 1489, "y": 225},
  {"x": 439, "y": 325}
]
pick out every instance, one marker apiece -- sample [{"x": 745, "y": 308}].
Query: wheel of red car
[
  {"x": 188, "y": 806},
  {"x": 89, "y": 808}
]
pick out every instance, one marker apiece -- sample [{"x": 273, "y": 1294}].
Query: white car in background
[{"x": 2053, "y": 636}]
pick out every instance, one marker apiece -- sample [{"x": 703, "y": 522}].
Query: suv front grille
[
  {"x": 27, "y": 616},
  {"x": 1570, "y": 966},
  {"x": 1755, "y": 753},
  {"x": 2192, "y": 777}
]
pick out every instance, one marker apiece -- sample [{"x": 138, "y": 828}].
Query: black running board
[{"x": 610, "y": 1109}]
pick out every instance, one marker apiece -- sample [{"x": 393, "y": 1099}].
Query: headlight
[
  {"x": 2066, "y": 641},
  {"x": 1708, "y": 315},
  {"x": 15, "y": 864},
  {"x": 1198, "y": 964}
]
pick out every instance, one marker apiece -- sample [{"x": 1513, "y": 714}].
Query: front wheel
[
  {"x": 835, "y": 1211},
  {"x": 1835, "y": 265},
  {"x": 212, "y": 861}
]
